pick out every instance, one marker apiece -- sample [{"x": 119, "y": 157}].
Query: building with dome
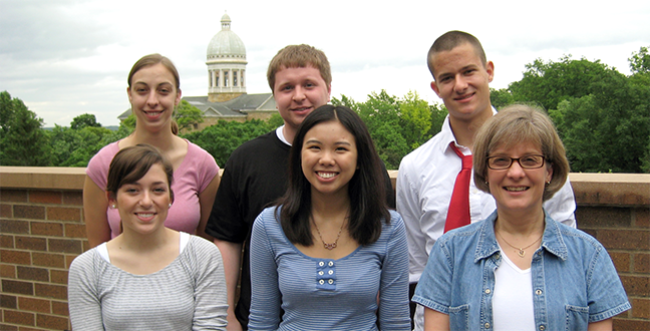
[
  {"x": 226, "y": 61},
  {"x": 227, "y": 98}
]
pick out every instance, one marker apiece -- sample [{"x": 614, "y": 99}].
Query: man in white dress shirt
[{"x": 461, "y": 77}]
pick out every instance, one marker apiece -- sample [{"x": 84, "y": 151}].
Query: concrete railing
[{"x": 42, "y": 226}]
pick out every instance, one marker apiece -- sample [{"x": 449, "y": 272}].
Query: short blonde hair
[{"x": 513, "y": 125}]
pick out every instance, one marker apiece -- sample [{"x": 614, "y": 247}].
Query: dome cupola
[{"x": 226, "y": 61}]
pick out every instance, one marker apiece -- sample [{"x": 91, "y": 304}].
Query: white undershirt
[
  {"x": 512, "y": 303},
  {"x": 280, "y": 135},
  {"x": 184, "y": 239}
]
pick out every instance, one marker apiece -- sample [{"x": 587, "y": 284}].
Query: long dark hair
[{"x": 366, "y": 188}]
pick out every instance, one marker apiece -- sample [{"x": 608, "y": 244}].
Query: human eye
[
  {"x": 160, "y": 190},
  {"x": 500, "y": 161},
  {"x": 286, "y": 88},
  {"x": 130, "y": 189},
  {"x": 469, "y": 71},
  {"x": 531, "y": 160}
]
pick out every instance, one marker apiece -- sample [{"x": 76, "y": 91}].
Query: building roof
[
  {"x": 226, "y": 44},
  {"x": 237, "y": 107}
]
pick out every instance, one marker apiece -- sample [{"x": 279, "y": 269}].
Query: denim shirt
[{"x": 574, "y": 280}]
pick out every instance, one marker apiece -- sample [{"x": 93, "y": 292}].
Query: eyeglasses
[{"x": 501, "y": 162}]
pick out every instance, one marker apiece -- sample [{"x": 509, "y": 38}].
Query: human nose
[
  {"x": 145, "y": 200},
  {"x": 298, "y": 94},
  {"x": 152, "y": 99},
  {"x": 460, "y": 83},
  {"x": 326, "y": 158},
  {"x": 515, "y": 169}
]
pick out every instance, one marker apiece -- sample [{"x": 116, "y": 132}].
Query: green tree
[
  {"x": 396, "y": 125},
  {"x": 548, "y": 83},
  {"x": 129, "y": 123},
  {"x": 221, "y": 139},
  {"x": 83, "y": 121},
  {"x": 609, "y": 129},
  {"x": 75, "y": 148},
  {"x": 640, "y": 61},
  {"x": 23, "y": 141},
  {"x": 187, "y": 116},
  {"x": 415, "y": 116},
  {"x": 275, "y": 121},
  {"x": 501, "y": 98}
]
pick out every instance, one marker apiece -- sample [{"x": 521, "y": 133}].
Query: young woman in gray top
[{"x": 149, "y": 277}]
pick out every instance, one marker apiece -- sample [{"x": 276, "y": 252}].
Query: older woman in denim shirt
[{"x": 519, "y": 269}]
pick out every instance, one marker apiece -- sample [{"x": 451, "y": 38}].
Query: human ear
[{"x": 434, "y": 87}]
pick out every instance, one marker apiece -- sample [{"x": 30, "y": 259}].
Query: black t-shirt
[{"x": 255, "y": 176}]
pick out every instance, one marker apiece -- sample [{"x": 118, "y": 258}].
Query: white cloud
[{"x": 64, "y": 58}]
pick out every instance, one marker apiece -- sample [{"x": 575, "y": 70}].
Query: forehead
[
  {"x": 154, "y": 73},
  {"x": 292, "y": 73},
  {"x": 508, "y": 146},
  {"x": 331, "y": 130},
  {"x": 461, "y": 56}
]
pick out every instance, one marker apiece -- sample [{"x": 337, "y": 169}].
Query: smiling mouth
[
  {"x": 152, "y": 112},
  {"x": 301, "y": 109},
  {"x": 326, "y": 175},
  {"x": 516, "y": 189}
]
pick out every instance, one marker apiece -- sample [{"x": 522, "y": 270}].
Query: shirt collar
[{"x": 551, "y": 241}]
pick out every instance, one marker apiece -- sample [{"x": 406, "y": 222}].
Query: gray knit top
[{"x": 188, "y": 294}]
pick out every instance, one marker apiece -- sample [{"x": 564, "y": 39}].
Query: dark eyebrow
[{"x": 313, "y": 141}]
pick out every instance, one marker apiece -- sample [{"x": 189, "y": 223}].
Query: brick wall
[{"x": 42, "y": 231}]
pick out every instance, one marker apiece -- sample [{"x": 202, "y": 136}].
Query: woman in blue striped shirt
[{"x": 330, "y": 255}]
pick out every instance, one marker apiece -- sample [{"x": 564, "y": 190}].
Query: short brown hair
[
  {"x": 451, "y": 40},
  {"x": 132, "y": 163},
  {"x": 299, "y": 56},
  {"x": 513, "y": 125}
]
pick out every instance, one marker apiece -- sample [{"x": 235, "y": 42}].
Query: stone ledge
[
  {"x": 590, "y": 189},
  {"x": 53, "y": 178},
  {"x": 611, "y": 189}
]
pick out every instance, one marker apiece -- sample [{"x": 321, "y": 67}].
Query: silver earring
[
  {"x": 113, "y": 206},
  {"x": 170, "y": 205}
]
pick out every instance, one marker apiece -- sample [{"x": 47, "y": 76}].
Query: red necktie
[{"x": 458, "y": 213}]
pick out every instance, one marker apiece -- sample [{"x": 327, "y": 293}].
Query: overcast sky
[{"x": 64, "y": 58}]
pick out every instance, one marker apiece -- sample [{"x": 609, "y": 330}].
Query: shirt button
[
  {"x": 330, "y": 264},
  {"x": 542, "y": 328},
  {"x": 321, "y": 273},
  {"x": 330, "y": 272},
  {"x": 331, "y": 281},
  {"x": 487, "y": 291},
  {"x": 321, "y": 282},
  {"x": 487, "y": 325},
  {"x": 321, "y": 263},
  {"x": 538, "y": 292}
]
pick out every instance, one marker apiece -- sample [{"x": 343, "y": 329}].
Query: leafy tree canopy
[
  {"x": 83, "y": 121},
  {"x": 187, "y": 116},
  {"x": 548, "y": 83},
  {"x": 640, "y": 61},
  {"x": 22, "y": 140}
]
